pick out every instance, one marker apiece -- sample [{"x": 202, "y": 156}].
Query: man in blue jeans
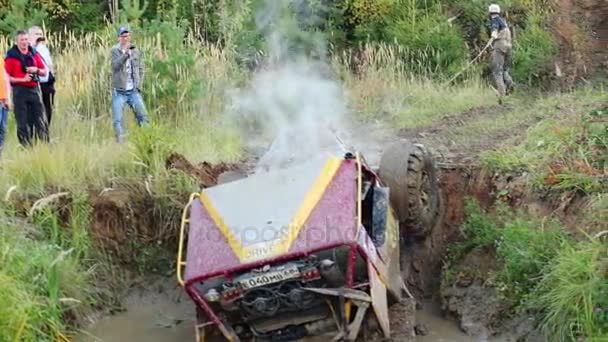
[{"x": 127, "y": 76}]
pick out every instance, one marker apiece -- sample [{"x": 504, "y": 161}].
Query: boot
[{"x": 510, "y": 89}]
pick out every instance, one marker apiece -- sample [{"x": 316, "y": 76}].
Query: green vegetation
[
  {"x": 573, "y": 292},
  {"x": 438, "y": 45},
  {"x": 543, "y": 270},
  {"x": 563, "y": 153},
  {"x": 41, "y": 284},
  {"x": 389, "y": 88}
]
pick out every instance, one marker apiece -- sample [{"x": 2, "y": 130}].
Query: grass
[
  {"x": 383, "y": 87},
  {"x": 573, "y": 292},
  {"x": 504, "y": 127},
  {"x": 83, "y": 153},
  {"x": 564, "y": 149},
  {"x": 40, "y": 283},
  {"x": 541, "y": 269}
]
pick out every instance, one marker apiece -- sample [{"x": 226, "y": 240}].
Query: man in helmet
[{"x": 502, "y": 57}]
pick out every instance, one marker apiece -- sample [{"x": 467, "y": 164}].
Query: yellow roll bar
[
  {"x": 180, "y": 249},
  {"x": 348, "y": 304}
]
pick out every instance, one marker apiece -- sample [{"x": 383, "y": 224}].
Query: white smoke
[{"x": 292, "y": 100}]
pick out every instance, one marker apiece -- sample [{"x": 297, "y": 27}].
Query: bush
[
  {"x": 573, "y": 293},
  {"x": 542, "y": 270},
  {"x": 479, "y": 231},
  {"x": 434, "y": 45},
  {"x": 525, "y": 247},
  {"x": 430, "y": 43},
  {"x": 39, "y": 282},
  {"x": 151, "y": 145},
  {"x": 533, "y": 51}
]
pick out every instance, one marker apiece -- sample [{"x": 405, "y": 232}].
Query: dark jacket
[
  {"x": 26, "y": 60},
  {"x": 16, "y": 63}
]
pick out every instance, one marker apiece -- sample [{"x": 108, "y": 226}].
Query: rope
[{"x": 470, "y": 63}]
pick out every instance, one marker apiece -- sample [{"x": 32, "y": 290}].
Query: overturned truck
[{"x": 312, "y": 249}]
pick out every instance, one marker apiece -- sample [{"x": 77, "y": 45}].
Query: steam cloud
[{"x": 291, "y": 99}]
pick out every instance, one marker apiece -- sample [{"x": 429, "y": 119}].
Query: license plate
[{"x": 270, "y": 277}]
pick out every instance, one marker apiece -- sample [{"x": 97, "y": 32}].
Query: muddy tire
[{"x": 410, "y": 173}]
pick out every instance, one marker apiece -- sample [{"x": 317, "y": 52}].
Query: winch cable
[{"x": 470, "y": 63}]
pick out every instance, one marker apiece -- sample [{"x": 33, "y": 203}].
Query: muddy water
[
  {"x": 164, "y": 313},
  {"x": 439, "y": 328}
]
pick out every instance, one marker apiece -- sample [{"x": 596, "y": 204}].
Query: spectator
[
  {"x": 47, "y": 82},
  {"x": 127, "y": 77},
  {"x": 4, "y": 103},
  {"x": 24, "y": 67}
]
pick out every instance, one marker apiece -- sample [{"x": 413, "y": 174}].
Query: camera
[{"x": 34, "y": 77}]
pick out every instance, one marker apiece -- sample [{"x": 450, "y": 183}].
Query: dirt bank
[
  {"x": 130, "y": 218},
  {"x": 581, "y": 28},
  {"x": 424, "y": 259}
]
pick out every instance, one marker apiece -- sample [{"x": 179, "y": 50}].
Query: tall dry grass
[
  {"x": 391, "y": 84},
  {"x": 83, "y": 152}
]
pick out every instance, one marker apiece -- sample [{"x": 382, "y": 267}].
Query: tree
[
  {"x": 20, "y": 14},
  {"x": 132, "y": 11}
]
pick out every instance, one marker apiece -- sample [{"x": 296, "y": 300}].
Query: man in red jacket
[{"x": 24, "y": 67}]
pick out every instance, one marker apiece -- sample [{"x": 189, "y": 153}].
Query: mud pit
[
  {"x": 164, "y": 312},
  {"x": 167, "y": 316},
  {"x": 156, "y": 313}
]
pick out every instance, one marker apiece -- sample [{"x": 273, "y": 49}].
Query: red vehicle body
[{"x": 291, "y": 253}]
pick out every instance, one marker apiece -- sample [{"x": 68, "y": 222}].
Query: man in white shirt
[{"x": 47, "y": 82}]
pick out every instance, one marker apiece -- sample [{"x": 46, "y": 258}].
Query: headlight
[
  {"x": 212, "y": 296},
  {"x": 326, "y": 263}
]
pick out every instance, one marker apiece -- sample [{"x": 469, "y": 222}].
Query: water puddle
[
  {"x": 439, "y": 328},
  {"x": 164, "y": 315},
  {"x": 167, "y": 314}
]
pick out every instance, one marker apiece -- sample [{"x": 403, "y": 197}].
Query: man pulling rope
[{"x": 502, "y": 54}]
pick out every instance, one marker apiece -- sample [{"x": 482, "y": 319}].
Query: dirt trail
[{"x": 452, "y": 139}]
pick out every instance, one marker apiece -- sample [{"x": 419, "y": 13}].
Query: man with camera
[
  {"x": 127, "y": 76},
  {"x": 24, "y": 67}
]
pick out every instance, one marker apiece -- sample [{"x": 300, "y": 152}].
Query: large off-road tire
[{"x": 410, "y": 173}]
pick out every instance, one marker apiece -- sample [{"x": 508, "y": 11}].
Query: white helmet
[{"x": 494, "y": 8}]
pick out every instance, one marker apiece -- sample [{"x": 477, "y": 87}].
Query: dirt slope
[{"x": 581, "y": 27}]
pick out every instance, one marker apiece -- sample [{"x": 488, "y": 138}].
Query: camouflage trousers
[{"x": 502, "y": 60}]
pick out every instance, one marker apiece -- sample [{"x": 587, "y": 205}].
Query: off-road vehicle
[{"x": 307, "y": 250}]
